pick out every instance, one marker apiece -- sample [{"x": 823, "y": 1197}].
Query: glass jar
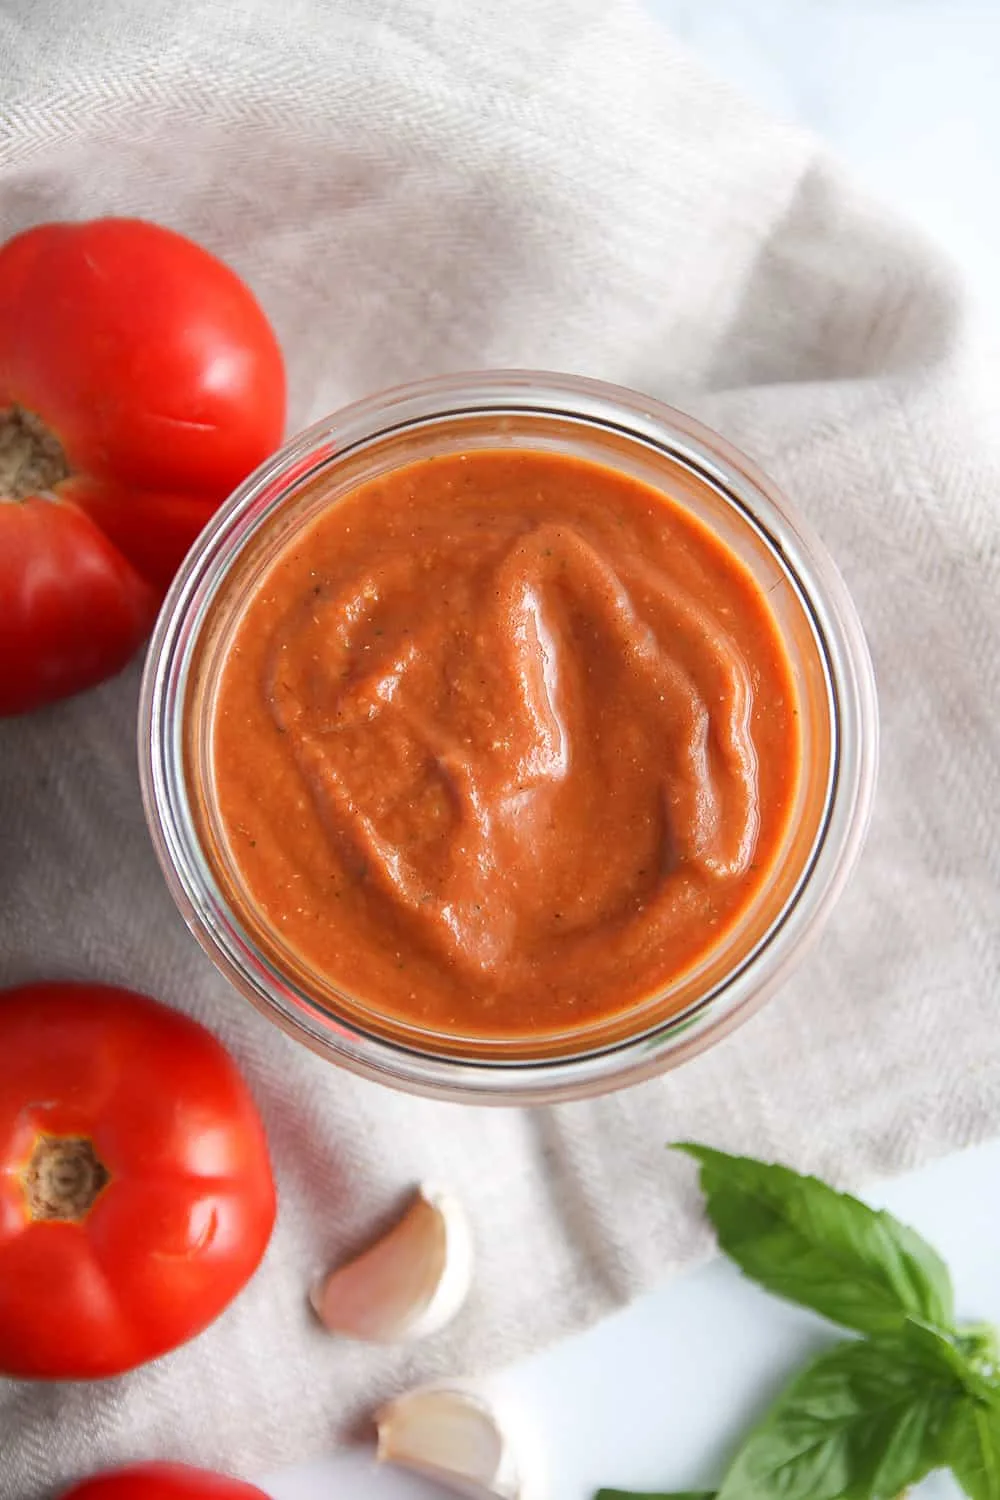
[{"x": 822, "y": 636}]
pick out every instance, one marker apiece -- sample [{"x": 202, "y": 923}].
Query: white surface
[
  {"x": 905, "y": 91},
  {"x": 652, "y": 1398}
]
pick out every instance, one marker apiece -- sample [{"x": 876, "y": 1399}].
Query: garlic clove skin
[
  {"x": 407, "y": 1285},
  {"x": 452, "y": 1435}
]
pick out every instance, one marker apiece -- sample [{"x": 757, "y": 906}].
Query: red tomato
[
  {"x": 162, "y": 1482},
  {"x": 140, "y": 382},
  {"x": 136, "y": 1196}
]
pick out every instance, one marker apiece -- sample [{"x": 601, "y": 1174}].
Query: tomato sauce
[{"x": 504, "y": 743}]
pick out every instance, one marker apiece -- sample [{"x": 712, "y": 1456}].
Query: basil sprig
[{"x": 873, "y": 1414}]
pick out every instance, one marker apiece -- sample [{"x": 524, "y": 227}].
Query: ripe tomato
[
  {"x": 136, "y": 1196},
  {"x": 162, "y": 1482},
  {"x": 140, "y": 382}
]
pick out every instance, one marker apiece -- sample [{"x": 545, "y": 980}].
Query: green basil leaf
[
  {"x": 980, "y": 1345},
  {"x": 970, "y": 1446},
  {"x": 959, "y": 1353},
  {"x": 825, "y": 1250},
  {"x": 655, "y": 1495},
  {"x": 861, "y": 1422}
]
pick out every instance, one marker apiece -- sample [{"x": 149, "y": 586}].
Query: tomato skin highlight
[
  {"x": 143, "y": 1107},
  {"x": 162, "y": 1481},
  {"x": 155, "y": 370}
]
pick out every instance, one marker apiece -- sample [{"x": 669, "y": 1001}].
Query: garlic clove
[
  {"x": 407, "y": 1285},
  {"x": 451, "y": 1435}
]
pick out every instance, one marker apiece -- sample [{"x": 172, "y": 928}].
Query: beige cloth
[{"x": 415, "y": 186}]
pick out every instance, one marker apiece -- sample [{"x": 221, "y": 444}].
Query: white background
[{"x": 908, "y": 91}]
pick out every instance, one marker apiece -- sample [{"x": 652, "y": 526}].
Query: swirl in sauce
[{"x": 505, "y": 741}]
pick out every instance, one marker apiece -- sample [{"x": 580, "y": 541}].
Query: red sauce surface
[{"x": 505, "y": 741}]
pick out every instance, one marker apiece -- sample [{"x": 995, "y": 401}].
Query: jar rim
[{"x": 672, "y": 1039}]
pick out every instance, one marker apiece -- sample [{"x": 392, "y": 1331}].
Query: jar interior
[{"x": 329, "y": 477}]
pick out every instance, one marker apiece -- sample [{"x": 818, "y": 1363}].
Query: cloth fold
[{"x": 415, "y": 186}]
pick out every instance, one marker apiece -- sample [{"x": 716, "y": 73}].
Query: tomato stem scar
[
  {"x": 31, "y": 457},
  {"x": 64, "y": 1178}
]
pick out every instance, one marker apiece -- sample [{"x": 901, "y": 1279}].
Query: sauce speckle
[{"x": 504, "y": 743}]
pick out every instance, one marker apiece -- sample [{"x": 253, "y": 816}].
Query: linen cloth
[{"x": 416, "y": 186}]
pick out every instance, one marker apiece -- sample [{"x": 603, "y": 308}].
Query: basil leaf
[
  {"x": 970, "y": 1447},
  {"x": 861, "y": 1422},
  {"x": 655, "y": 1495},
  {"x": 959, "y": 1352},
  {"x": 980, "y": 1347},
  {"x": 827, "y": 1251}
]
